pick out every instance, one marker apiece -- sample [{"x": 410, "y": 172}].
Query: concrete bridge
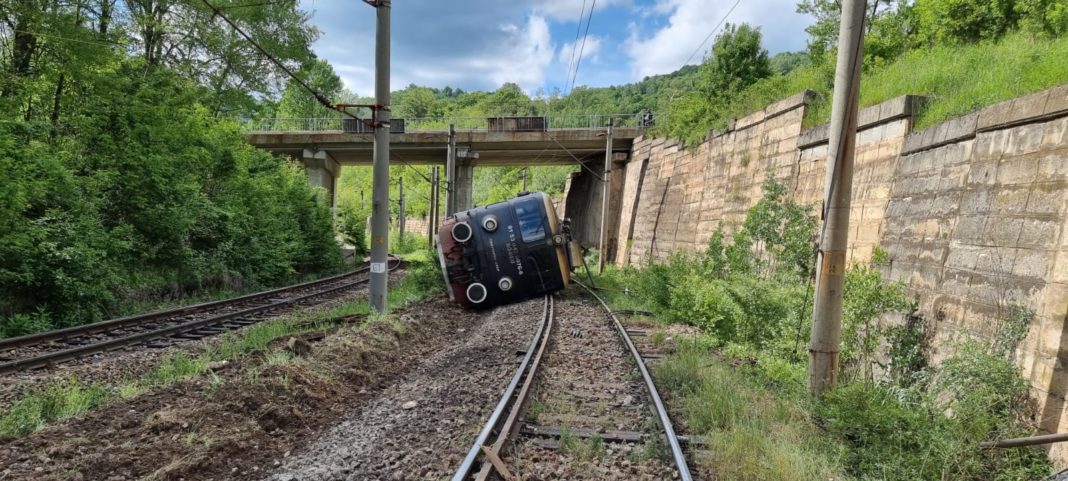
[{"x": 324, "y": 145}]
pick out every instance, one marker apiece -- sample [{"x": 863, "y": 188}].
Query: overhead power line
[
  {"x": 713, "y": 32},
  {"x": 574, "y": 45},
  {"x": 578, "y": 59},
  {"x": 258, "y": 4},
  {"x": 107, "y": 43},
  {"x": 318, "y": 96}
]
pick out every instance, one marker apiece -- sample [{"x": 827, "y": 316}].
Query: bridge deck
[{"x": 552, "y": 147}]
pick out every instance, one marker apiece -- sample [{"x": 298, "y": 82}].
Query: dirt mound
[{"x": 245, "y": 416}]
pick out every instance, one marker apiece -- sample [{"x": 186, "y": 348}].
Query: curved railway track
[
  {"x": 168, "y": 326},
  {"x": 494, "y": 454}
]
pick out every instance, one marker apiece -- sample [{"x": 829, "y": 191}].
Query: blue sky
[{"x": 480, "y": 44}]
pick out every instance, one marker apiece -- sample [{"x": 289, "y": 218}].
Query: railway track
[
  {"x": 579, "y": 373},
  {"x": 166, "y": 327}
]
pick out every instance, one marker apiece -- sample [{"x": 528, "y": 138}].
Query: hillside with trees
[{"x": 126, "y": 178}]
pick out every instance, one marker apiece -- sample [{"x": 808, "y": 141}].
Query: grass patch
[
  {"x": 72, "y": 397},
  {"x": 175, "y": 368},
  {"x": 957, "y": 79},
  {"x": 894, "y": 416},
  {"x": 61, "y": 400},
  {"x": 752, "y": 434},
  {"x": 963, "y": 78}
]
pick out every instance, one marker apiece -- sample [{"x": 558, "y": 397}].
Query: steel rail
[
  {"x": 519, "y": 407},
  {"x": 71, "y": 354},
  {"x": 122, "y": 322},
  {"x": 661, "y": 411},
  {"x": 57, "y": 357},
  {"x": 541, "y": 337}
]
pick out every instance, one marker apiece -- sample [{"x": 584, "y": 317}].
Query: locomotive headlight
[
  {"x": 476, "y": 292},
  {"x": 461, "y": 231},
  {"x": 505, "y": 283},
  {"x": 490, "y": 223}
]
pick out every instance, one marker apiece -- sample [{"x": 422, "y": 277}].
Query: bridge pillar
[
  {"x": 465, "y": 183},
  {"x": 322, "y": 171}
]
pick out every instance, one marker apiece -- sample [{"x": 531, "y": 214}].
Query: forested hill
[
  {"x": 961, "y": 54},
  {"x": 125, "y": 183},
  {"x": 126, "y": 179}
]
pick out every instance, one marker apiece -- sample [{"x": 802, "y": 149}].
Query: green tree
[
  {"x": 508, "y": 100},
  {"x": 965, "y": 20},
  {"x": 785, "y": 62},
  {"x": 886, "y": 22},
  {"x": 1048, "y": 17},
  {"x": 209, "y": 50},
  {"x": 123, "y": 179},
  {"x": 737, "y": 61},
  {"x": 416, "y": 102},
  {"x": 298, "y": 103}
]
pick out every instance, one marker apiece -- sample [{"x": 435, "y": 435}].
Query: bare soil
[
  {"x": 400, "y": 398},
  {"x": 422, "y": 425},
  {"x": 246, "y": 417},
  {"x": 119, "y": 366}
]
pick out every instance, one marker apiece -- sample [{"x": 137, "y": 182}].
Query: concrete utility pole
[
  {"x": 380, "y": 194},
  {"x": 450, "y": 173},
  {"x": 400, "y": 209},
  {"x": 432, "y": 222},
  {"x": 834, "y": 237},
  {"x": 607, "y": 183}
]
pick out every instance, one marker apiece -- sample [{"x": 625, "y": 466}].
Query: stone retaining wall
[{"x": 973, "y": 211}]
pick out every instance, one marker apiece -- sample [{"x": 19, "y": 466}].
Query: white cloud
[
  {"x": 359, "y": 79},
  {"x": 568, "y": 10},
  {"x": 480, "y": 44},
  {"x": 484, "y": 58},
  {"x": 589, "y": 51},
  {"x": 522, "y": 57},
  {"x": 665, "y": 49}
]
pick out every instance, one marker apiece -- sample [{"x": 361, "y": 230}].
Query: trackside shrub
[{"x": 895, "y": 417}]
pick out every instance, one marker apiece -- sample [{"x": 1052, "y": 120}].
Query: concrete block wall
[
  {"x": 584, "y": 199},
  {"x": 881, "y": 131},
  {"x": 973, "y": 211},
  {"x": 685, "y": 194},
  {"x": 978, "y": 222}
]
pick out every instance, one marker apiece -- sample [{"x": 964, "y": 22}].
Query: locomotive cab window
[{"x": 531, "y": 220}]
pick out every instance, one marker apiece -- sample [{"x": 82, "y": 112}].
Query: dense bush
[
  {"x": 894, "y": 418},
  {"x": 965, "y": 20},
  {"x": 932, "y": 432},
  {"x": 150, "y": 197},
  {"x": 352, "y": 224}
]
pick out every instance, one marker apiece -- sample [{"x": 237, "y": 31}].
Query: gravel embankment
[
  {"x": 421, "y": 426},
  {"x": 588, "y": 381}
]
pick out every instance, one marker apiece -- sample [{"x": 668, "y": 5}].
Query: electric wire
[
  {"x": 106, "y": 43},
  {"x": 318, "y": 95},
  {"x": 576, "y": 159},
  {"x": 578, "y": 60},
  {"x": 713, "y": 32},
  {"x": 574, "y": 45},
  {"x": 408, "y": 165}
]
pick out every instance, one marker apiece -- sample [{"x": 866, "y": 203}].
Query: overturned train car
[{"x": 506, "y": 252}]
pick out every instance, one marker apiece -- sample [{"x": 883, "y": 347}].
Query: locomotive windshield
[{"x": 531, "y": 225}]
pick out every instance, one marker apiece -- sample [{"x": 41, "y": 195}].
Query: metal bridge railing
[{"x": 440, "y": 124}]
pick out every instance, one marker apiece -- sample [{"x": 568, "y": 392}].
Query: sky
[{"x": 481, "y": 44}]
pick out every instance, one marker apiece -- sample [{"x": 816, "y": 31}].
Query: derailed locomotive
[{"x": 506, "y": 252}]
